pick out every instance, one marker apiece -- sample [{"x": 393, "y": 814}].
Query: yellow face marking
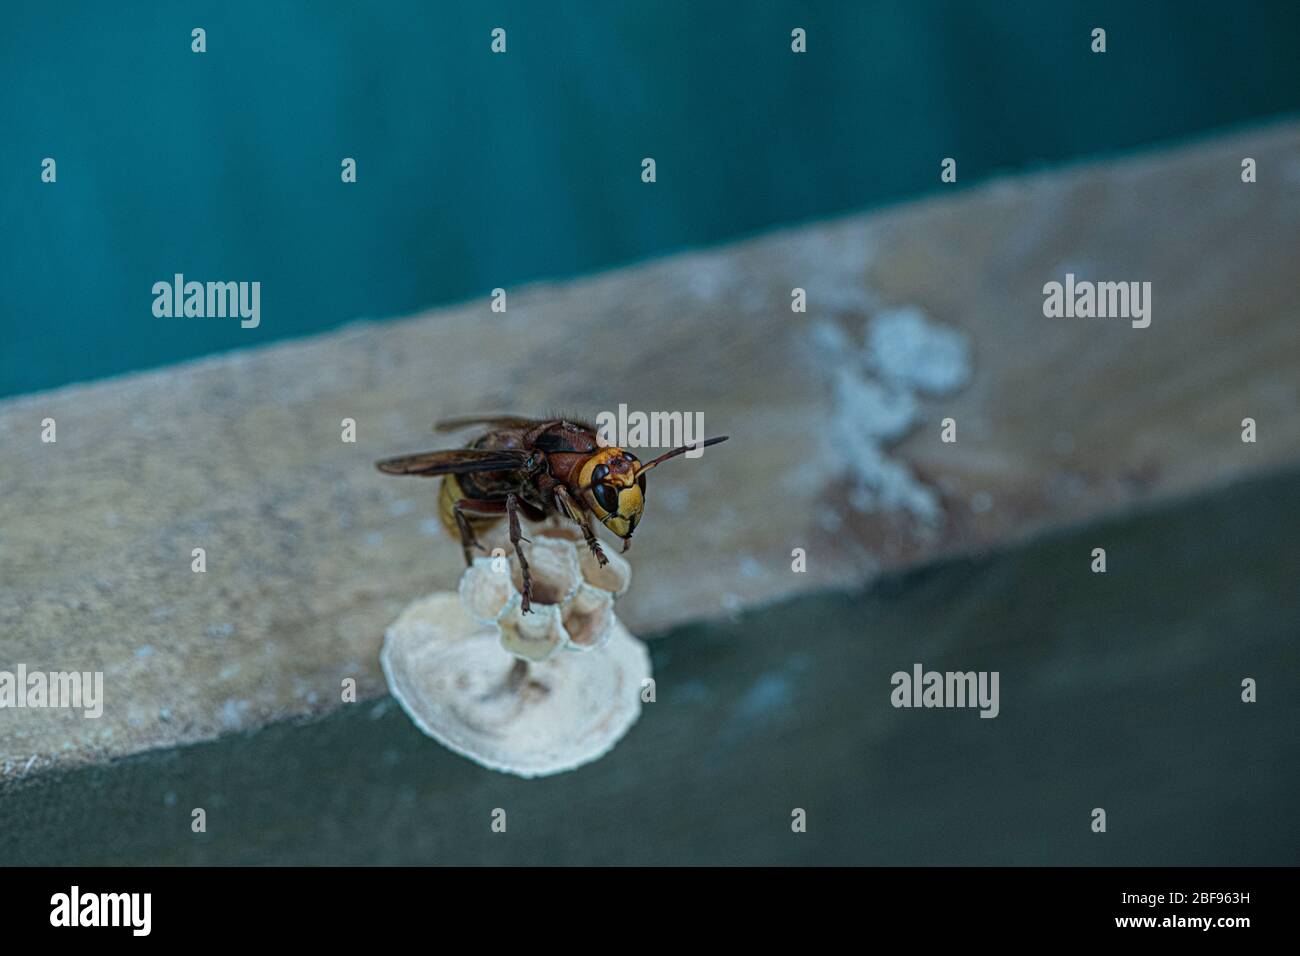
[
  {"x": 613, "y": 491},
  {"x": 630, "y": 506}
]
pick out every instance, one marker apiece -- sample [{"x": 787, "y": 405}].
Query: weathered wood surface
[{"x": 311, "y": 552}]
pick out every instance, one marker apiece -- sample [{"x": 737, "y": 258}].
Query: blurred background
[{"x": 477, "y": 171}]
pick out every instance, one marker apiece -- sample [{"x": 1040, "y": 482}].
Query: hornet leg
[
  {"x": 516, "y": 536},
  {"x": 583, "y": 519},
  {"x": 477, "y": 506}
]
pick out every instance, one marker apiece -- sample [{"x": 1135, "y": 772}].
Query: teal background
[{"x": 478, "y": 170}]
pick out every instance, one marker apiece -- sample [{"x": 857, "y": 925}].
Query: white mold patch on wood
[{"x": 877, "y": 387}]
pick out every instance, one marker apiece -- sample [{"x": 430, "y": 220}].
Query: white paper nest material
[
  {"x": 573, "y": 597},
  {"x": 450, "y": 660}
]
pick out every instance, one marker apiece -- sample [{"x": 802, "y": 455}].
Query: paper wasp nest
[{"x": 529, "y": 694}]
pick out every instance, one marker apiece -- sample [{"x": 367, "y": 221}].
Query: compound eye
[
  {"x": 606, "y": 497},
  {"x": 640, "y": 480},
  {"x": 599, "y": 473}
]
